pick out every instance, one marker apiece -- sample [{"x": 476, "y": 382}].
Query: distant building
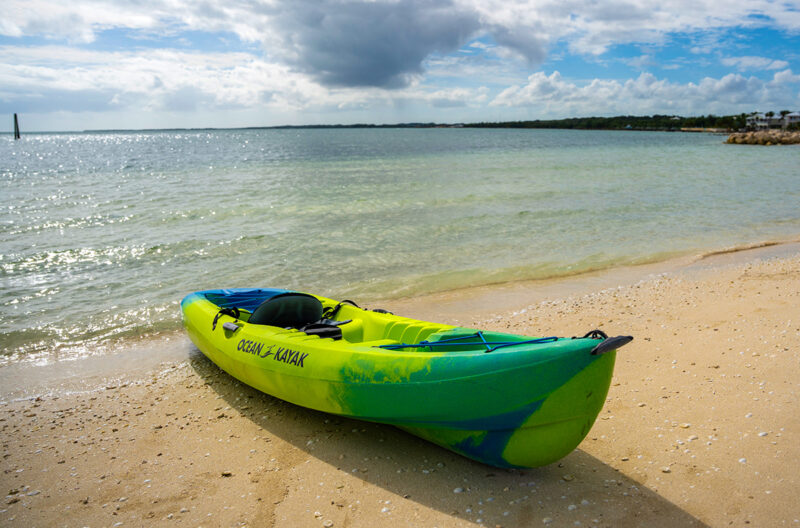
[
  {"x": 764, "y": 122},
  {"x": 757, "y": 122}
]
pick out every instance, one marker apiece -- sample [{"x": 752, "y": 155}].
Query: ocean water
[{"x": 102, "y": 234}]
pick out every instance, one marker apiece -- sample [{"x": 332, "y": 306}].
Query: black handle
[{"x": 611, "y": 343}]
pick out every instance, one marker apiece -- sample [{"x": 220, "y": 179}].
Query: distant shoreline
[
  {"x": 362, "y": 127},
  {"x": 654, "y": 123}
]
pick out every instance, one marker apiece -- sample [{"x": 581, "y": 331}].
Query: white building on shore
[{"x": 764, "y": 122}]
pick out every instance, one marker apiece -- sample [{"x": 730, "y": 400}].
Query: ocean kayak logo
[{"x": 284, "y": 355}]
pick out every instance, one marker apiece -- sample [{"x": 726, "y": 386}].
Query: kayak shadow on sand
[{"x": 579, "y": 488}]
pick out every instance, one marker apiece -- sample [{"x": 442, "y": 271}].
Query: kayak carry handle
[
  {"x": 611, "y": 343},
  {"x": 230, "y": 327}
]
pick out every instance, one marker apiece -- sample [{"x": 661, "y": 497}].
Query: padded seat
[{"x": 288, "y": 310}]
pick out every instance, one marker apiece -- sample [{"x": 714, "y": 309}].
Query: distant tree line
[
  {"x": 356, "y": 125},
  {"x": 654, "y": 122}
]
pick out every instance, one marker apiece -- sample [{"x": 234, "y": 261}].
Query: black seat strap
[
  {"x": 233, "y": 312},
  {"x": 328, "y": 313}
]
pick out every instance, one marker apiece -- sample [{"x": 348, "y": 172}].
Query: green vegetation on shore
[
  {"x": 708, "y": 123},
  {"x": 654, "y": 122},
  {"x": 627, "y": 122}
]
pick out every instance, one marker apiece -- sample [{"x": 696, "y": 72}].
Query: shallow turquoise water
[{"x": 103, "y": 233}]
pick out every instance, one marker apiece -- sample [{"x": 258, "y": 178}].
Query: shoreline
[
  {"x": 442, "y": 305},
  {"x": 130, "y": 359},
  {"x": 480, "y": 302},
  {"x": 700, "y": 427}
]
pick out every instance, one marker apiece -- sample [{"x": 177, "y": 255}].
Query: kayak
[{"x": 502, "y": 399}]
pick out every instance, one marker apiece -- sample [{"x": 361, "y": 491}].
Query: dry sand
[{"x": 701, "y": 427}]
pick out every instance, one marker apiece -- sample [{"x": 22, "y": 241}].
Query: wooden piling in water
[{"x": 16, "y": 127}]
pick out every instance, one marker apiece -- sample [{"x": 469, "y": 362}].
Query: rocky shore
[{"x": 766, "y": 137}]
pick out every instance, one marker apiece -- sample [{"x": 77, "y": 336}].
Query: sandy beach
[{"x": 700, "y": 428}]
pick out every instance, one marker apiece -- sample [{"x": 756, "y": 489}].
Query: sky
[{"x": 122, "y": 64}]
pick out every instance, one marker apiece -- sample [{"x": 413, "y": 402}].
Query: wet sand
[{"x": 701, "y": 426}]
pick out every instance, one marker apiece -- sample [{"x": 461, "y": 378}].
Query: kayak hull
[{"x": 519, "y": 406}]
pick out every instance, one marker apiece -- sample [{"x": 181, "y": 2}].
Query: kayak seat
[
  {"x": 288, "y": 310},
  {"x": 300, "y": 311}
]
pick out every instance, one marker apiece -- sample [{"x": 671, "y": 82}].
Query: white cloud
[
  {"x": 592, "y": 28},
  {"x": 456, "y": 97},
  {"x": 553, "y": 96},
  {"x": 153, "y": 78},
  {"x": 75, "y": 21},
  {"x": 179, "y": 81},
  {"x": 641, "y": 62},
  {"x": 785, "y": 77},
  {"x": 750, "y": 63},
  {"x": 383, "y": 42}
]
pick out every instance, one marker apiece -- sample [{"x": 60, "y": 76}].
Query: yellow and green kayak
[{"x": 501, "y": 399}]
